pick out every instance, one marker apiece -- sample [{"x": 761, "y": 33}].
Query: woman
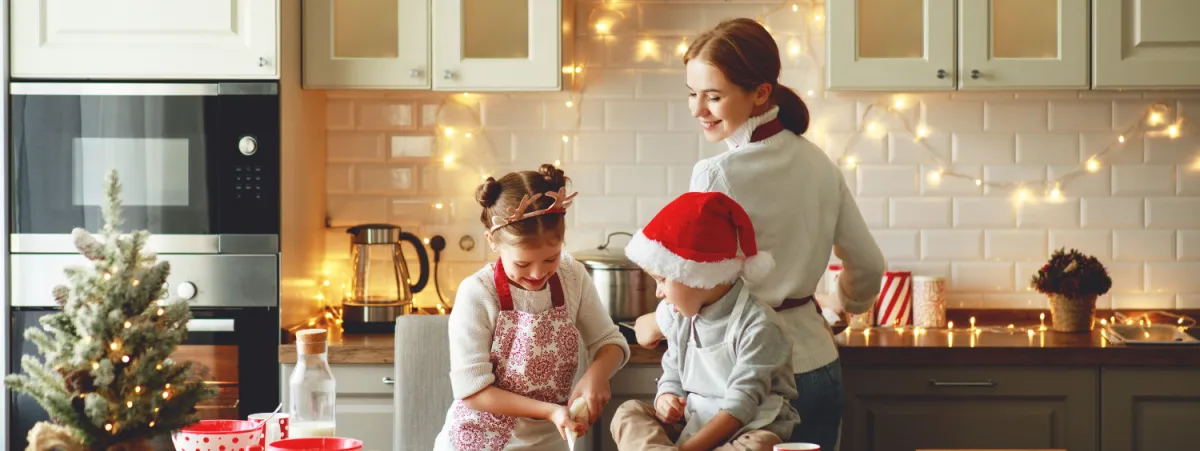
[{"x": 797, "y": 199}]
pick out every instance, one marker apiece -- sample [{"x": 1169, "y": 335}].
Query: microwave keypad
[{"x": 248, "y": 181}]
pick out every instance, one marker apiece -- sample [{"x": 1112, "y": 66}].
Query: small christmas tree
[{"x": 107, "y": 380}]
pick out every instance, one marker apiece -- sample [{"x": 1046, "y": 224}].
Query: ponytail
[{"x": 793, "y": 113}]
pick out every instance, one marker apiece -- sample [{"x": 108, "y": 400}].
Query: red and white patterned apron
[{"x": 533, "y": 355}]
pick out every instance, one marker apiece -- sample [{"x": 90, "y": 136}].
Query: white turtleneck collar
[{"x": 741, "y": 136}]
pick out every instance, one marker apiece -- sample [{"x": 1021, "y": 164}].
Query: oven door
[
  {"x": 239, "y": 347},
  {"x": 198, "y": 163}
]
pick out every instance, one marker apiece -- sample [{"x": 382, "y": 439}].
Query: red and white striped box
[{"x": 895, "y": 299}]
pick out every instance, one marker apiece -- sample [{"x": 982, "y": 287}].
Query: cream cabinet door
[
  {"x": 1145, "y": 44},
  {"x": 890, "y": 44},
  {"x": 142, "y": 39},
  {"x": 497, "y": 45},
  {"x": 371, "y": 44},
  {"x": 1023, "y": 44}
]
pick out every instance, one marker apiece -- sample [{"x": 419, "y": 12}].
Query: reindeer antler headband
[{"x": 562, "y": 200}]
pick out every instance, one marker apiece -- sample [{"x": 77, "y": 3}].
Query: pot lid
[{"x": 606, "y": 256}]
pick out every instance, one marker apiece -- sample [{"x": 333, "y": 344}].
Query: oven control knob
[
  {"x": 186, "y": 290},
  {"x": 248, "y": 145}
]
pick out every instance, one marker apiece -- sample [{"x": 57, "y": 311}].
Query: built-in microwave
[{"x": 199, "y": 163}]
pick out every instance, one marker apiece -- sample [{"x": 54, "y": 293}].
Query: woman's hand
[
  {"x": 561, "y": 417},
  {"x": 669, "y": 408},
  {"x": 647, "y": 331},
  {"x": 594, "y": 388}
]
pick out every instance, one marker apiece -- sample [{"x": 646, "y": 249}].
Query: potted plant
[{"x": 1072, "y": 281}]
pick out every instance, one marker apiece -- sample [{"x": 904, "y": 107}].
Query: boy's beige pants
[{"x": 635, "y": 427}]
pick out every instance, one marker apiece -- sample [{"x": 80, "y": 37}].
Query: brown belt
[{"x": 792, "y": 303}]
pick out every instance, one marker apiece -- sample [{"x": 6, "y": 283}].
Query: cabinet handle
[
  {"x": 448, "y": 75},
  {"x": 941, "y": 73},
  {"x": 388, "y": 381},
  {"x": 416, "y": 73},
  {"x": 262, "y": 62},
  {"x": 987, "y": 383},
  {"x": 975, "y": 74}
]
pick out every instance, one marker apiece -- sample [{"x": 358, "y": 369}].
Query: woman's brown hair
[
  {"x": 747, "y": 54},
  {"x": 497, "y": 196}
]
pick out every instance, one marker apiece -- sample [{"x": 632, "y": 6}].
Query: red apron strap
[
  {"x": 556, "y": 291},
  {"x": 503, "y": 291},
  {"x": 766, "y": 130}
]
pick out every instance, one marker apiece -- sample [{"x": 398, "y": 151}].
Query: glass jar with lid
[{"x": 312, "y": 388}]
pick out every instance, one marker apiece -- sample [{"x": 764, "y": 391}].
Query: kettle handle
[
  {"x": 422, "y": 260},
  {"x": 609, "y": 238}
]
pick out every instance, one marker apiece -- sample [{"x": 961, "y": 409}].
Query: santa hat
[{"x": 694, "y": 241}]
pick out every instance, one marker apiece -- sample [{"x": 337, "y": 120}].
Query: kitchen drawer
[{"x": 953, "y": 407}]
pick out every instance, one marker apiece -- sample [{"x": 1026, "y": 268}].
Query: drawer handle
[
  {"x": 987, "y": 383},
  {"x": 388, "y": 381}
]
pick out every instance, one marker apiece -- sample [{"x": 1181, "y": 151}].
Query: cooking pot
[{"x": 625, "y": 289}]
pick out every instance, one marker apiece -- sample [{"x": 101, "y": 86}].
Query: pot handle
[{"x": 609, "y": 238}]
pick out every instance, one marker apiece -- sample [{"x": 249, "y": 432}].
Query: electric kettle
[{"x": 380, "y": 287}]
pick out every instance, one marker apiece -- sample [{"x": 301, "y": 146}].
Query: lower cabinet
[
  {"x": 1149, "y": 409},
  {"x": 638, "y": 382},
  {"x": 954, "y": 407},
  {"x": 364, "y": 407}
]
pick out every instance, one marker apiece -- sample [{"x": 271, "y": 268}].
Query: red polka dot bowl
[
  {"x": 219, "y": 435},
  {"x": 316, "y": 444}
]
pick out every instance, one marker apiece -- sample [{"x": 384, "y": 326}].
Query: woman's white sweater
[{"x": 802, "y": 210}]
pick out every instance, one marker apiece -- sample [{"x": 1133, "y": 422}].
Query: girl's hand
[
  {"x": 561, "y": 417},
  {"x": 669, "y": 408},
  {"x": 593, "y": 388}
]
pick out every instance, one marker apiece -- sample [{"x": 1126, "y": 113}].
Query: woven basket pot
[{"x": 1072, "y": 314}]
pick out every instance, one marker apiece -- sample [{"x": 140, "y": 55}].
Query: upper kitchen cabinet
[
  {"x": 1145, "y": 44},
  {"x": 372, "y": 44},
  {"x": 145, "y": 39},
  {"x": 1023, "y": 44},
  {"x": 890, "y": 44},
  {"x": 448, "y": 45},
  {"x": 1002, "y": 44},
  {"x": 497, "y": 45}
]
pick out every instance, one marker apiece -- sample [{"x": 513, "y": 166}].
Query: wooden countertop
[{"x": 882, "y": 346}]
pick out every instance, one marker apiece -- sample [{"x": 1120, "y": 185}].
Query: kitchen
[{"x": 969, "y": 163}]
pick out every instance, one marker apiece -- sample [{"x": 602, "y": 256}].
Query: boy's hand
[
  {"x": 594, "y": 388},
  {"x": 669, "y": 408},
  {"x": 561, "y": 417},
  {"x": 647, "y": 331}
]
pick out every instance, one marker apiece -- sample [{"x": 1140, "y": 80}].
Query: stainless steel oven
[{"x": 199, "y": 163}]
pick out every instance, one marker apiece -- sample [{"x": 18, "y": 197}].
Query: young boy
[{"x": 727, "y": 377}]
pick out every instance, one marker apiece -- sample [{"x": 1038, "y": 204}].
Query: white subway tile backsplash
[
  {"x": 1047, "y": 148},
  {"x": 639, "y": 180},
  {"x": 984, "y": 148},
  {"x": 1015, "y": 116},
  {"x": 897, "y": 244},
  {"x": 983, "y": 212},
  {"x": 1144, "y": 245},
  {"x": 1172, "y": 212},
  {"x": 605, "y": 148},
  {"x": 981, "y": 277},
  {"x": 920, "y": 212},
  {"x": 629, "y": 115},
  {"x": 951, "y": 244},
  {"x": 874, "y": 211},
  {"x": 881, "y": 180},
  {"x": 670, "y": 148},
  {"x": 1097, "y": 243},
  {"x": 1015, "y": 244},
  {"x": 961, "y": 116},
  {"x": 632, "y": 143},
  {"x": 1143, "y": 180},
  {"x": 1189, "y": 245},
  {"x": 1112, "y": 212},
  {"x": 1080, "y": 115},
  {"x": 1045, "y": 215}
]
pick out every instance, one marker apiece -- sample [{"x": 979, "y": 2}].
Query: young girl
[
  {"x": 802, "y": 213},
  {"x": 525, "y": 329}
]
